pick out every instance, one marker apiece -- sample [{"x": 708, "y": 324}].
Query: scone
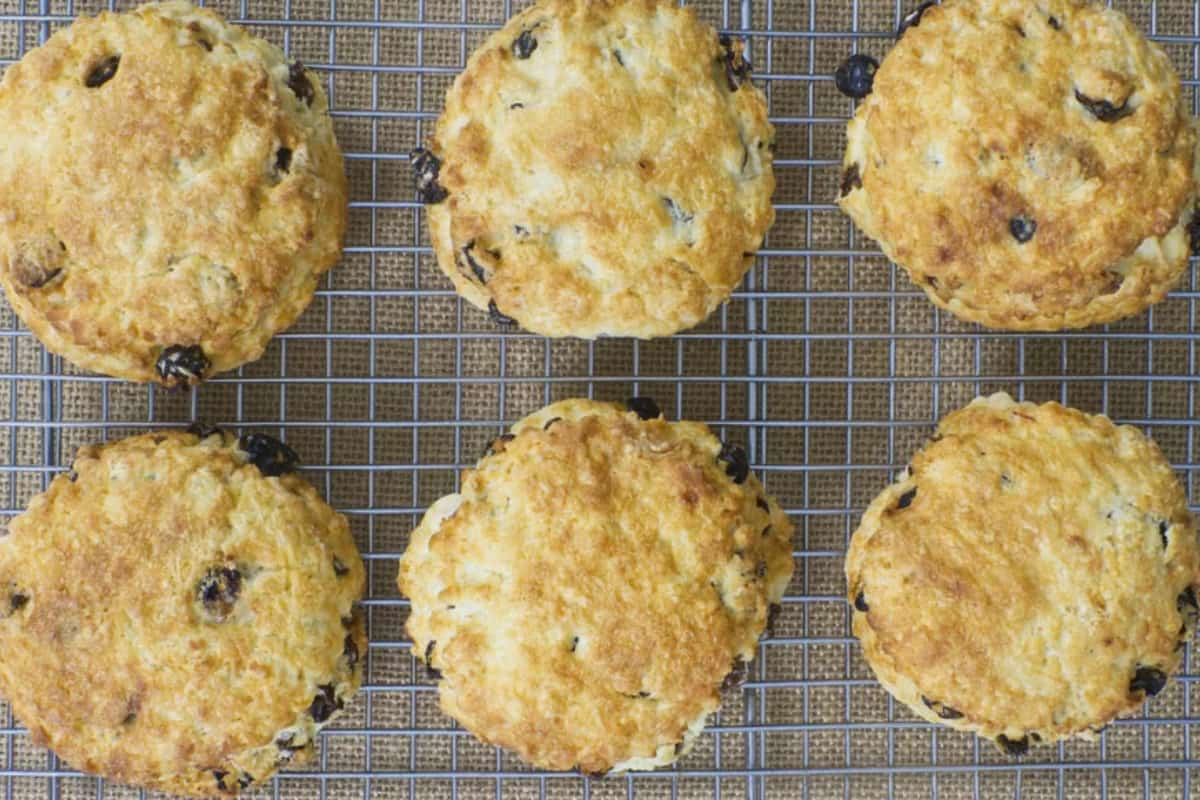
[
  {"x": 1031, "y": 577},
  {"x": 599, "y": 578},
  {"x": 170, "y": 192},
  {"x": 602, "y": 167},
  {"x": 178, "y": 612},
  {"x": 1030, "y": 164}
]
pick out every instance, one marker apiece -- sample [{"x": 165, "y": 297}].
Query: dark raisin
[
  {"x": 851, "y": 180},
  {"x": 1194, "y": 233},
  {"x": 574, "y": 644},
  {"x": 855, "y": 76},
  {"x": 762, "y": 503},
  {"x": 1054, "y": 23},
  {"x": 219, "y": 776},
  {"x": 271, "y": 456},
  {"x": 286, "y": 741},
  {"x": 476, "y": 269},
  {"x": 737, "y": 68},
  {"x": 32, "y": 273},
  {"x": 497, "y": 445},
  {"x": 245, "y": 780},
  {"x": 1022, "y": 228},
  {"x": 1163, "y": 527},
  {"x": 324, "y": 704},
  {"x": 1186, "y": 602},
  {"x": 737, "y": 465},
  {"x": 907, "y": 498},
  {"x": 914, "y": 17},
  {"x": 516, "y": 106},
  {"x": 860, "y": 603},
  {"x": 521, "y": 231},
  {"x": 737, "y": 675},
  {"x": 433, "y": 672},
  {"x": 941, "y": 709},
  {"x": 1013, "y": 747},
  {"x": 677, "y": 213},
  {"x": 339, "y": 567},
  {"x": 283, "y": 159},
  {"x": 644, "y": 407},
  {"x": 1102, "y": 109},
  {"x": 773, "y": 612},
  {"x": 102, "y": 73},
  {"x": 497, "y": 317},
  {"x": 350, "y": 650},
  {"x": 426, "y": 168},
  {"x": 1148, "y": 680},
  {"x": 550, "y": 423},
  {"x": 182, "y": 363},
  {"x": 299, "y": 83},
  {"x": 16, "y": 601},
  {"x": 218, "y": 591},
  {"x": 617, "y": 56},
  {"x": 524, "y": 45},
  {"x": 202, "y": 431}
]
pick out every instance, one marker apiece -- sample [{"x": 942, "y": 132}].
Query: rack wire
[{"x": 827, "y": 365}]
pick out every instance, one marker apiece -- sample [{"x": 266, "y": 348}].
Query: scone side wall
[
  {"x": 639, "y": 688},
  {"x": 1006, "y": 200},
  {"x": 166, "y": 578},
  {"x": 941, "y": 677},
  {"x": 539, "y": 124},
  {"x": 222, "y": 205}
]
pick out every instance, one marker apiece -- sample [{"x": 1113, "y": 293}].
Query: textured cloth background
[{"x": 827, "y": 365}]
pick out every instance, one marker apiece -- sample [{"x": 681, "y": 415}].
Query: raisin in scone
[
  {"x": 179, "y": 612},
  {"x": 1030, "y": 164},
  {"x": 602, "y": 167},
  {"x": 601, "y": 575},
  {"x": 1031, "y": 577},
  {"x": 189, "y": 193}
]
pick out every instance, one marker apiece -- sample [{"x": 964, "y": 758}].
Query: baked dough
[
  {"x": 600, "y": 576},
  {"x": 179, "y": 613},
  {"x": 1030, "y": 577},
  {"x": 189, "y": 193}
]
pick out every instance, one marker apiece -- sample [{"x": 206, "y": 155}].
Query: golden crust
[
  {"x": 113, "y": 658},
  {"x": 586, "y": 594},
  {"x": 611, "y": 183},
  {"x": 162, "y": 214},
  {"x": 974, "y": 122},
  {"x": 1023, "y": 570}
]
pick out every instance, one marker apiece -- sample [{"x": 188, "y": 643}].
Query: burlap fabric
[{"x": 828, "y": 365}]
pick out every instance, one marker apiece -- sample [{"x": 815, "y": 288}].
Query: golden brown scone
[
  {"x": 189, "y": 193},
  {"x": 1031, "y": 577},
  {"x": 179, "y": 613},
  {"x": 587, "y": 594},
  {"x": 1030, "y": 164},
  {"x": 602, "y": 167}
]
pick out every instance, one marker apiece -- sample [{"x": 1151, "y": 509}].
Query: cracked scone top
[
  {"x": 1029, "y": 164},
  {"x": 178, "y": 613},
  {"x": 170, "y": 192},
  {"x": 602, "y": 167},
  {"x": 1031, "y": 577},
  {"x": 599, "y": 577}
]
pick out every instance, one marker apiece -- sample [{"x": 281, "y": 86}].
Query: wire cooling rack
[{"x": 827, "y": 365}]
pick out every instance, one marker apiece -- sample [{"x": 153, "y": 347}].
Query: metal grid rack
[{"x": 827, "y": 364}]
